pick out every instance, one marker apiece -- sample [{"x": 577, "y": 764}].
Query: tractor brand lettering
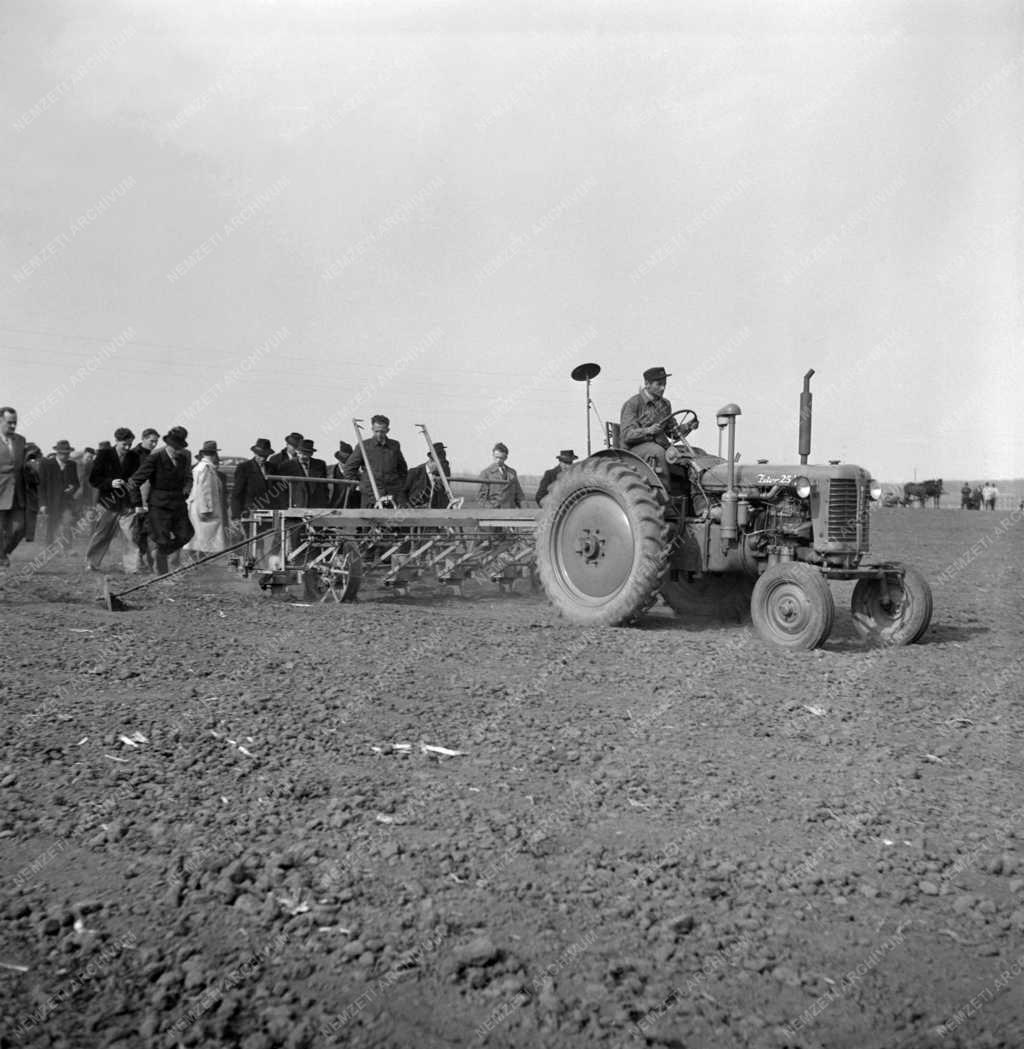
[{"x": 774, "y": 478}]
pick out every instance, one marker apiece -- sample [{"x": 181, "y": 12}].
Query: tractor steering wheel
[{"x": 687, "y": 420}]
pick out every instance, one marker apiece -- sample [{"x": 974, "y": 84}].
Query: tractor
[{"x": 715, "y": 537}]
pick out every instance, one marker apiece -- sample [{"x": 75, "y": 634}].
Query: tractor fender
[{"x": 634, "y": 462}]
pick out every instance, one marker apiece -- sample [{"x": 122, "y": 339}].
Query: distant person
[
  {"x": 32, "y": 470},
  {"x": 207, "y": 503},
  {"x": 566, "y": 457},
  {"x": 965, "y": 496},
  {"x": 110, "y": 476},
  {"x": 86, "y": 498},
  {"x": 168, "y": 472},
  {"x": 424, "y": 487},
  {"x": 990, "y": 493},
  {"x": 976, "y": 497},
  {"x": 383, "y": 455},
  {"x": 12, "y": 485},
  {"x": 58, "y": 484},
  {"x": 500, "y": 496},
  {"x": 343, "y": 496}
]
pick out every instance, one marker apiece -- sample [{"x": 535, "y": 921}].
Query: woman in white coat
[{"x": 207, "y": 503}]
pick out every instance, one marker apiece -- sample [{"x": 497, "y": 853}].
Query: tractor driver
[{"x": 647, "y": 425}]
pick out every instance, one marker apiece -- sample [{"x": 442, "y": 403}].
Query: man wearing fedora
[
  {"x": 287, "y": 454},
  {"x": 646, "y": 425},
  {"x": 423, "y": 487},
  {"x": 207, "y": 503},
  {"x": 170, "y": 478},
  {"x": 118, "y": 502},
  {"x": 382, "y": 455},
  {"x": 343, "y": 496},
  {"x": 58, "y": 483},
  {"x": 566, "y": 457},
  {"x": 303, "y": 466},
  {"x": 500, "y": 496}
]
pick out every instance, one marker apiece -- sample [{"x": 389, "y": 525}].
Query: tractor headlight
[
  {"x": 875, "y": 490},
  {"x": 802, "y": 486}
]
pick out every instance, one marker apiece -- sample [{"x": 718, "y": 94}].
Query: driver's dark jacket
[{"x": 640, "y": 412}]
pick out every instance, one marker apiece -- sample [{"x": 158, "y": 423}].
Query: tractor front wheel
[
  {"x": 894, "y": 610},
  {"x": 792, "y": 606},
  {"x": 602, "y": 543}
]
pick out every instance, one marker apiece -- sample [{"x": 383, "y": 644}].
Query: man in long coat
[
  {"x": 118, "y": 501},
  {"x": 58, "y": 483},
  {"x": 207, "y": 503},
  {"x": 251, "y": 490},
  {"x": 12, "y": 485},
  {"x": 167, "y": 470},
  {"x": 305, "y": 465}
]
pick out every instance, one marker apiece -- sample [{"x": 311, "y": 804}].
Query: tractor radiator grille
[{"x": 846, "y": 521}]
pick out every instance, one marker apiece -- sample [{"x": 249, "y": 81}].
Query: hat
[
  {"x": 500, "y": 447},
  {"x": 88, "y": 451},
  {"x": 209, "y": 448},
  {"x": 657, "y": 374},
  {"x": 567, "y": 455},
  {"x": 294, "y": 439},
  {"x": 263, "y": 447},
  {"x": 32, "y": 450},
  {"x": 103, "y": 444},
  {"x": 122, "y": 433},
  {"x": 176, "y": 437},
  {"x": 440, "y": 449},
  {"x": 306, "y": 447},
  {"x": 63, "y": 446},
  {"x": 343, "y": 452}
]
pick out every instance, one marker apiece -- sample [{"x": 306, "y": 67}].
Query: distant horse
[{"x": 922, "y": 492}]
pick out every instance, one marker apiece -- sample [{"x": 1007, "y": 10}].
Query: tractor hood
[{"x": 764, "y": 476}]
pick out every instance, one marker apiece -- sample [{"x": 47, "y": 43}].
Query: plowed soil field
[{"x": 667, "y": 835}]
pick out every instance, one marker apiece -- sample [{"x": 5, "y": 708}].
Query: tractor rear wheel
[
  {"x": 725, "y": 597},
  {"x": 792, "y": 606},
  {"x": 892, "y": 611},
  {"x": 602, "y": 543}
]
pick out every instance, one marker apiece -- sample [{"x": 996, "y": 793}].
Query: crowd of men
[{"x": 161, "y": 502}]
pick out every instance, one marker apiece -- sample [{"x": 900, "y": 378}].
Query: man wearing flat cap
[
  {"x": 58, "y": 483},
  {"x": 423, "y": 486},
  {"x": 566, "y": 457},
  {"x": 343, "y": 496},
  {"x": 498, "y": 495},
  {"x": 646, "y": 424},
  {"x": 168, "y": 471},
  {"x": 117, "y": 501},
  {"x": 382, "y": 455}
]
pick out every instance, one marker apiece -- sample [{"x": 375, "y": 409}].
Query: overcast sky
[{"x": 262, "y": 217}]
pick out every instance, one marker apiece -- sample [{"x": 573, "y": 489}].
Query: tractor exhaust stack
[{"x": 805, "y": 419}]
